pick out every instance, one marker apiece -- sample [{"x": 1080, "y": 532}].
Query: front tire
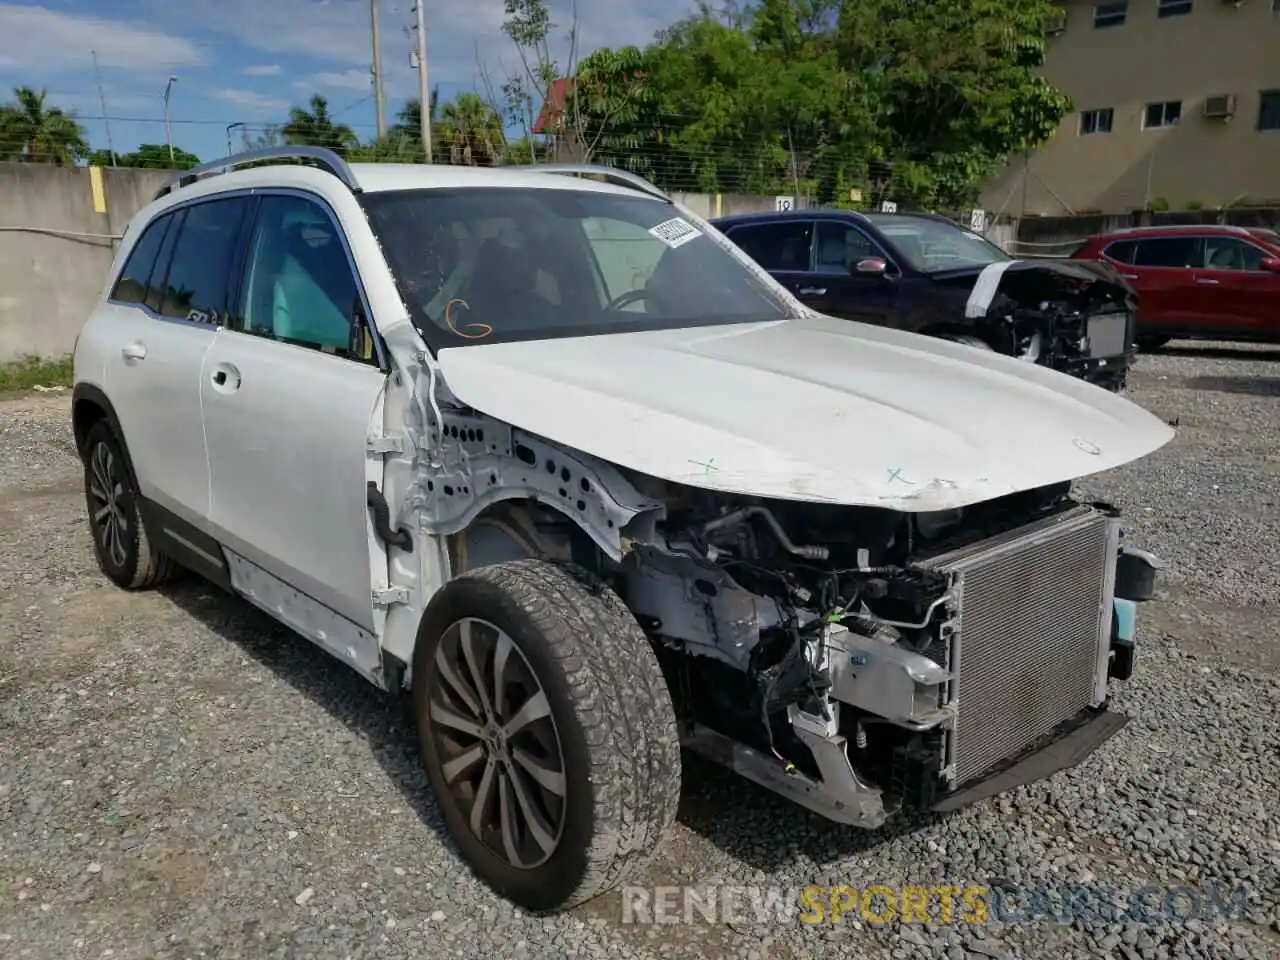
[
  {"x": 546, "y": 730},
  {"x": 126, "y": 552}
]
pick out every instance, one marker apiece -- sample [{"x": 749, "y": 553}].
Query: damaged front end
[
  {"x": 1077, "y": 317},
  {"x": 864, "y": 661},
  {"x": 859, "y": 660}
]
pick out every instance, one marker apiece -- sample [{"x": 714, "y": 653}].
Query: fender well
[
  {"x": 89, "y": 405},
  {"x": 482, "y": 464}
]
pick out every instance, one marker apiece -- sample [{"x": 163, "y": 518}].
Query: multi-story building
[{"x": 1177, "y": 106}]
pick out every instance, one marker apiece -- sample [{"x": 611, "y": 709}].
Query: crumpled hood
[{"x": 813, "y": 409}]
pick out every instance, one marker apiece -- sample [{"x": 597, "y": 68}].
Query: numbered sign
[
  {"x": 978, "y": 221},
  {"x": 784, "y": 204},
  {"x": 888, "y": 206}
]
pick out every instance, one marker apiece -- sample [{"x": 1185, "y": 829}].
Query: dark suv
[{"x": 927, "y": 274}]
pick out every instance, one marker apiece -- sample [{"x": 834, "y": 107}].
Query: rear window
[
  {"x": 1167, "y": 252},
  {"x": 486, "y": 265},
  {"x": 131, "y": 285}
]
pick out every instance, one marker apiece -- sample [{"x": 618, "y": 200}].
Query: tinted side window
[
  {"x": 155, "y": 288},
  {"x": 1167, "y": 252},
  {"x": 203, "y": 258},
  {"x": 131, "y": 285},
  {"x": 777, "y": 246},
  {"x": 299, "y": 286},
  {"x": 1122, "y": 250},
  {"x": 840, "y": 246},
  {"x": 1228, "y": 253}
]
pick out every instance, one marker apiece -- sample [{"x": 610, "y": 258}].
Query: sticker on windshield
[{"x": 675, "y": 232}]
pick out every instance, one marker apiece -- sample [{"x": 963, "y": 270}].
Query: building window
[
  {"x": 1172, "y": 8},
  {"x": 1165, "y": 114},
  {"x": 1269, "y": 109},
  {"x": 1096, "y": 121},
  {"x": 1112, "y": 14}
]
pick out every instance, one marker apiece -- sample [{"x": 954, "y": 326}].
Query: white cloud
[
  {"x": 339, "y": 31},
  {"x": 265, "y": 70},
  {"x": 249, "y": 99},
  {"x": 44, "y": 41},
  {"x": 353, "y": 79}
]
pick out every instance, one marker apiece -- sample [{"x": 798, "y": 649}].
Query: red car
[{"x": 1197, "y": 282}]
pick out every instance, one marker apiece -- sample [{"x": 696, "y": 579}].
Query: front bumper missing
[{"x": 1066, "y": 747}]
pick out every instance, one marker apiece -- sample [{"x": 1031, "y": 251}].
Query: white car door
[
  {"x": 167, "y": 306},
  {"x": 288, "y": 411}
]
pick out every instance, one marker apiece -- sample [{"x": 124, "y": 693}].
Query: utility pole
[
  {"x": 102, "y": 101},
  {"x": 168, "y": 127},
  {"x": 424, "y": 91},
  {"x": 230, "y": 127},
  {"x": 378, "y": 103}
]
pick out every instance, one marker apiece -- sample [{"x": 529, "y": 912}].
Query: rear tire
[
  {"x": 573, "y": 759},
  {"x": 125, "y": 549}
]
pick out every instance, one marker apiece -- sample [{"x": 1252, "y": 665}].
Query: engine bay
[{"x": 757, "y": 607}]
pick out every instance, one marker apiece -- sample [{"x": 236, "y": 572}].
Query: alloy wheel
[
  {"x": 500, "y": 752},
  {"x": 107, "y": 513}
]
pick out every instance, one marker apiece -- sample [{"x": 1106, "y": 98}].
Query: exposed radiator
[
  {"x": 1108, "y": 334},
  {"x": 1030, "y": 632}
]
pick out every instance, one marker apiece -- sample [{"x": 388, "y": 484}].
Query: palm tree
[
  {"x": 471, "y": 129},
  {"x": 35, "y": 133},
  {"x": 409, "y": 119},
  {"x": 315, "y": 127}
]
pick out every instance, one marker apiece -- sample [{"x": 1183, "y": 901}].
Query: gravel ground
[{"x": 179, "y": 777}]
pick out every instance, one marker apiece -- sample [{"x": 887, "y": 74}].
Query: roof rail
[
  {"x": 619, "y": 178},
  {"x": 326, "y": 159},
  {"x": 1182, "y": 227}
]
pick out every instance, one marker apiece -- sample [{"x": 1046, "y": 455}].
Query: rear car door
[
  {"x": 1164, "y": 267},
  {"x": 836, "y": 289},
  {"x": 783, "y": 247},
  {"x": 289, "y": 407},
  {"x": 169, "y": 303},
  {"x": 1233, "y": 293}
]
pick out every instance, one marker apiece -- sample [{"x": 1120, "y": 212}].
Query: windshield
[
  {"x": 931, "y": 246},
  {"x": 490, "y": 265}
]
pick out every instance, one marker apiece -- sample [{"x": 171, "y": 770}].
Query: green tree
[
  {"x": 470, "y": 131},
  {"x": 33, "y": 132},
  {"x": 152, "y": 156},
  {"x": 315, "y": 127},
  {"x": 957, "y": 87},
  {"x": 918, "y": 102}
]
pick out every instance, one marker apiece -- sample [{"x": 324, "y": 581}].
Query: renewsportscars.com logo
[{"x": 880, "y": 904}]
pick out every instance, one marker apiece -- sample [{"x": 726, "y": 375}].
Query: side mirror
[
  {"x": 875, "y": 266},
  {"x": 1271, "y": 264}
]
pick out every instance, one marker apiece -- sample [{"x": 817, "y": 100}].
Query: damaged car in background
[
  {"x": 544, "y": 448},
  {"x": 926, "y": 274}
]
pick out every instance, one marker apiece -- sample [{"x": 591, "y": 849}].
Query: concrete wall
[
  {"x": 55, "y": 249},
  {"x": 1217, "y": 49}
]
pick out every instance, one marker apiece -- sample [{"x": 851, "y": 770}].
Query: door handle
[
  {"x": 1129, "y": 276},
  {"x": 1207, "y": 282},
  {"x": 225, "y": 377},
  {"x": 812, "y": 291},
  {"x": 134, "y": 351}
]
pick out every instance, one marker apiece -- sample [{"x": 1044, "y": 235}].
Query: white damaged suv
[{"x": 545, "y": 448}]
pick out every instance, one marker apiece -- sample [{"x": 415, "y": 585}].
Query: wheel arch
[
  {"x": 89, "y": 406},
  {"x": 520, "y": 528}
]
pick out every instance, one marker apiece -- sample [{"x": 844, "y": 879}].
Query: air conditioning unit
[{"x": 1221, "y": 107}]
